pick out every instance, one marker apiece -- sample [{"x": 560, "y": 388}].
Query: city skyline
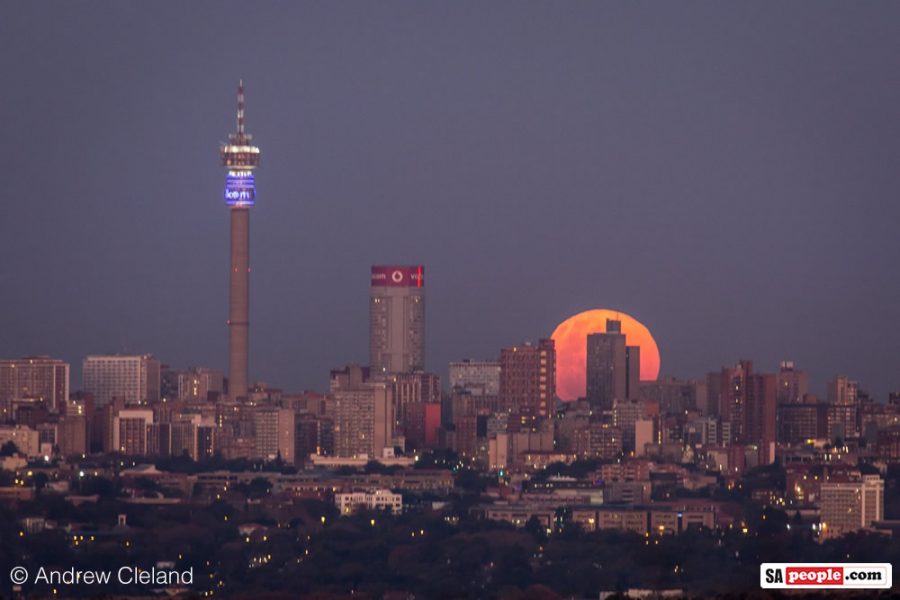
[{"x": 125, "y": 259}]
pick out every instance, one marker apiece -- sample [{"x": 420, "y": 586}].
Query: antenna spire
[{"x": 240, "y": 109}]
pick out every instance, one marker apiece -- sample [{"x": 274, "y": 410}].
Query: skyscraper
[
  {"x": 613, "y": 368},
  {"x": 528, "y": 378},
  {"x": 240, "y": 157},
  {"x": 397, "y": 319}
]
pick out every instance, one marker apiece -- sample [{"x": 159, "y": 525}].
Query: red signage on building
[{"x": 398, "y": 276}]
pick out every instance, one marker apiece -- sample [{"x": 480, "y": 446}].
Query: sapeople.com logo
[{"x": 825, "y": 575}]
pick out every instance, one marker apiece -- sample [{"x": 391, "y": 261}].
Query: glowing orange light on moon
[{"x": 570, "y": 337}]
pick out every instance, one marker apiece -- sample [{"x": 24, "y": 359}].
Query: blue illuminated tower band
[{"x": 240, "y": 157}]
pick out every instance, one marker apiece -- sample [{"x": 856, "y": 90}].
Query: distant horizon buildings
[{"x": 397, "y": 319}]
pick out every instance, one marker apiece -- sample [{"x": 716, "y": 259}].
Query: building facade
[
  {"x": 397, "y": 319},
  {"x": 613, "y": 368},
  {"x": 478, "y": 377},
  {"x": 528, "y": 378},
  {"x": 134, "y": 379},
  {"x": 38, "y": 378}
]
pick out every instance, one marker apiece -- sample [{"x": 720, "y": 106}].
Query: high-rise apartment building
[
  {"x": 134, "y": 379},
  {"x": 35, "y": 378},
  {"x": 275, "y": 433},
  {"x": 397, "y": 319},
  {"x": 528, "y": 378},
  {"x": 747, "y": 404},
  {"x": 613, "y": 368},
  {"x": 363, "y": 414}
]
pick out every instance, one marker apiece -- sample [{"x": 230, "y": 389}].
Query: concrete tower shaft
[{"x": 239, "y": 303}]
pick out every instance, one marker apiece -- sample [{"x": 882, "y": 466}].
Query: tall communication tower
[{"x": 240, "y": 157}]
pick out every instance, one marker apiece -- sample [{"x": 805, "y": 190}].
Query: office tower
[
  {"x": 240, "y": 157},
  {"x": 363, "y": 414},
  {"x": 133, "y": 379},
  {"x": 793, "y": 384},
  {"x": 38, "y": 378},
  {"x": 528, "y": 378},
  {"x": 196, "y": 385},
  {"x": 478, "y": 377},
  {"x": 850, "y": 504},
  {"x": 275, "y": 430},
  {"x": 613, "y": 369},
  {"x": 397, "y": 319}
]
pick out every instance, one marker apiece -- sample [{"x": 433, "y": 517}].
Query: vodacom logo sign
[{"x": 397, "y": 276}]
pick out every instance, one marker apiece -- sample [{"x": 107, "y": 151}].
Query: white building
[
  {"x": 847, "y": 506},
  {"x": 134, "y": 379},
  {"x": 350, "y": 502}
]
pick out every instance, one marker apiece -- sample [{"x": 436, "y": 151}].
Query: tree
[{"x": 9, "y": 449}]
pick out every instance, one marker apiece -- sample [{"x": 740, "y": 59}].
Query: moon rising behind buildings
[{"x": 570, "y": 337}]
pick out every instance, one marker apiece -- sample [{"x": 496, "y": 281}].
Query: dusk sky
[{"x": 726, "y": 173}]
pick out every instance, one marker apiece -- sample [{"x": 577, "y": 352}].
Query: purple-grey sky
[{"x": 725, "y": 172}]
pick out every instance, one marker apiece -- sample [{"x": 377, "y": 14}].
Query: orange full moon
[{"x": 570, "y": 337}]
